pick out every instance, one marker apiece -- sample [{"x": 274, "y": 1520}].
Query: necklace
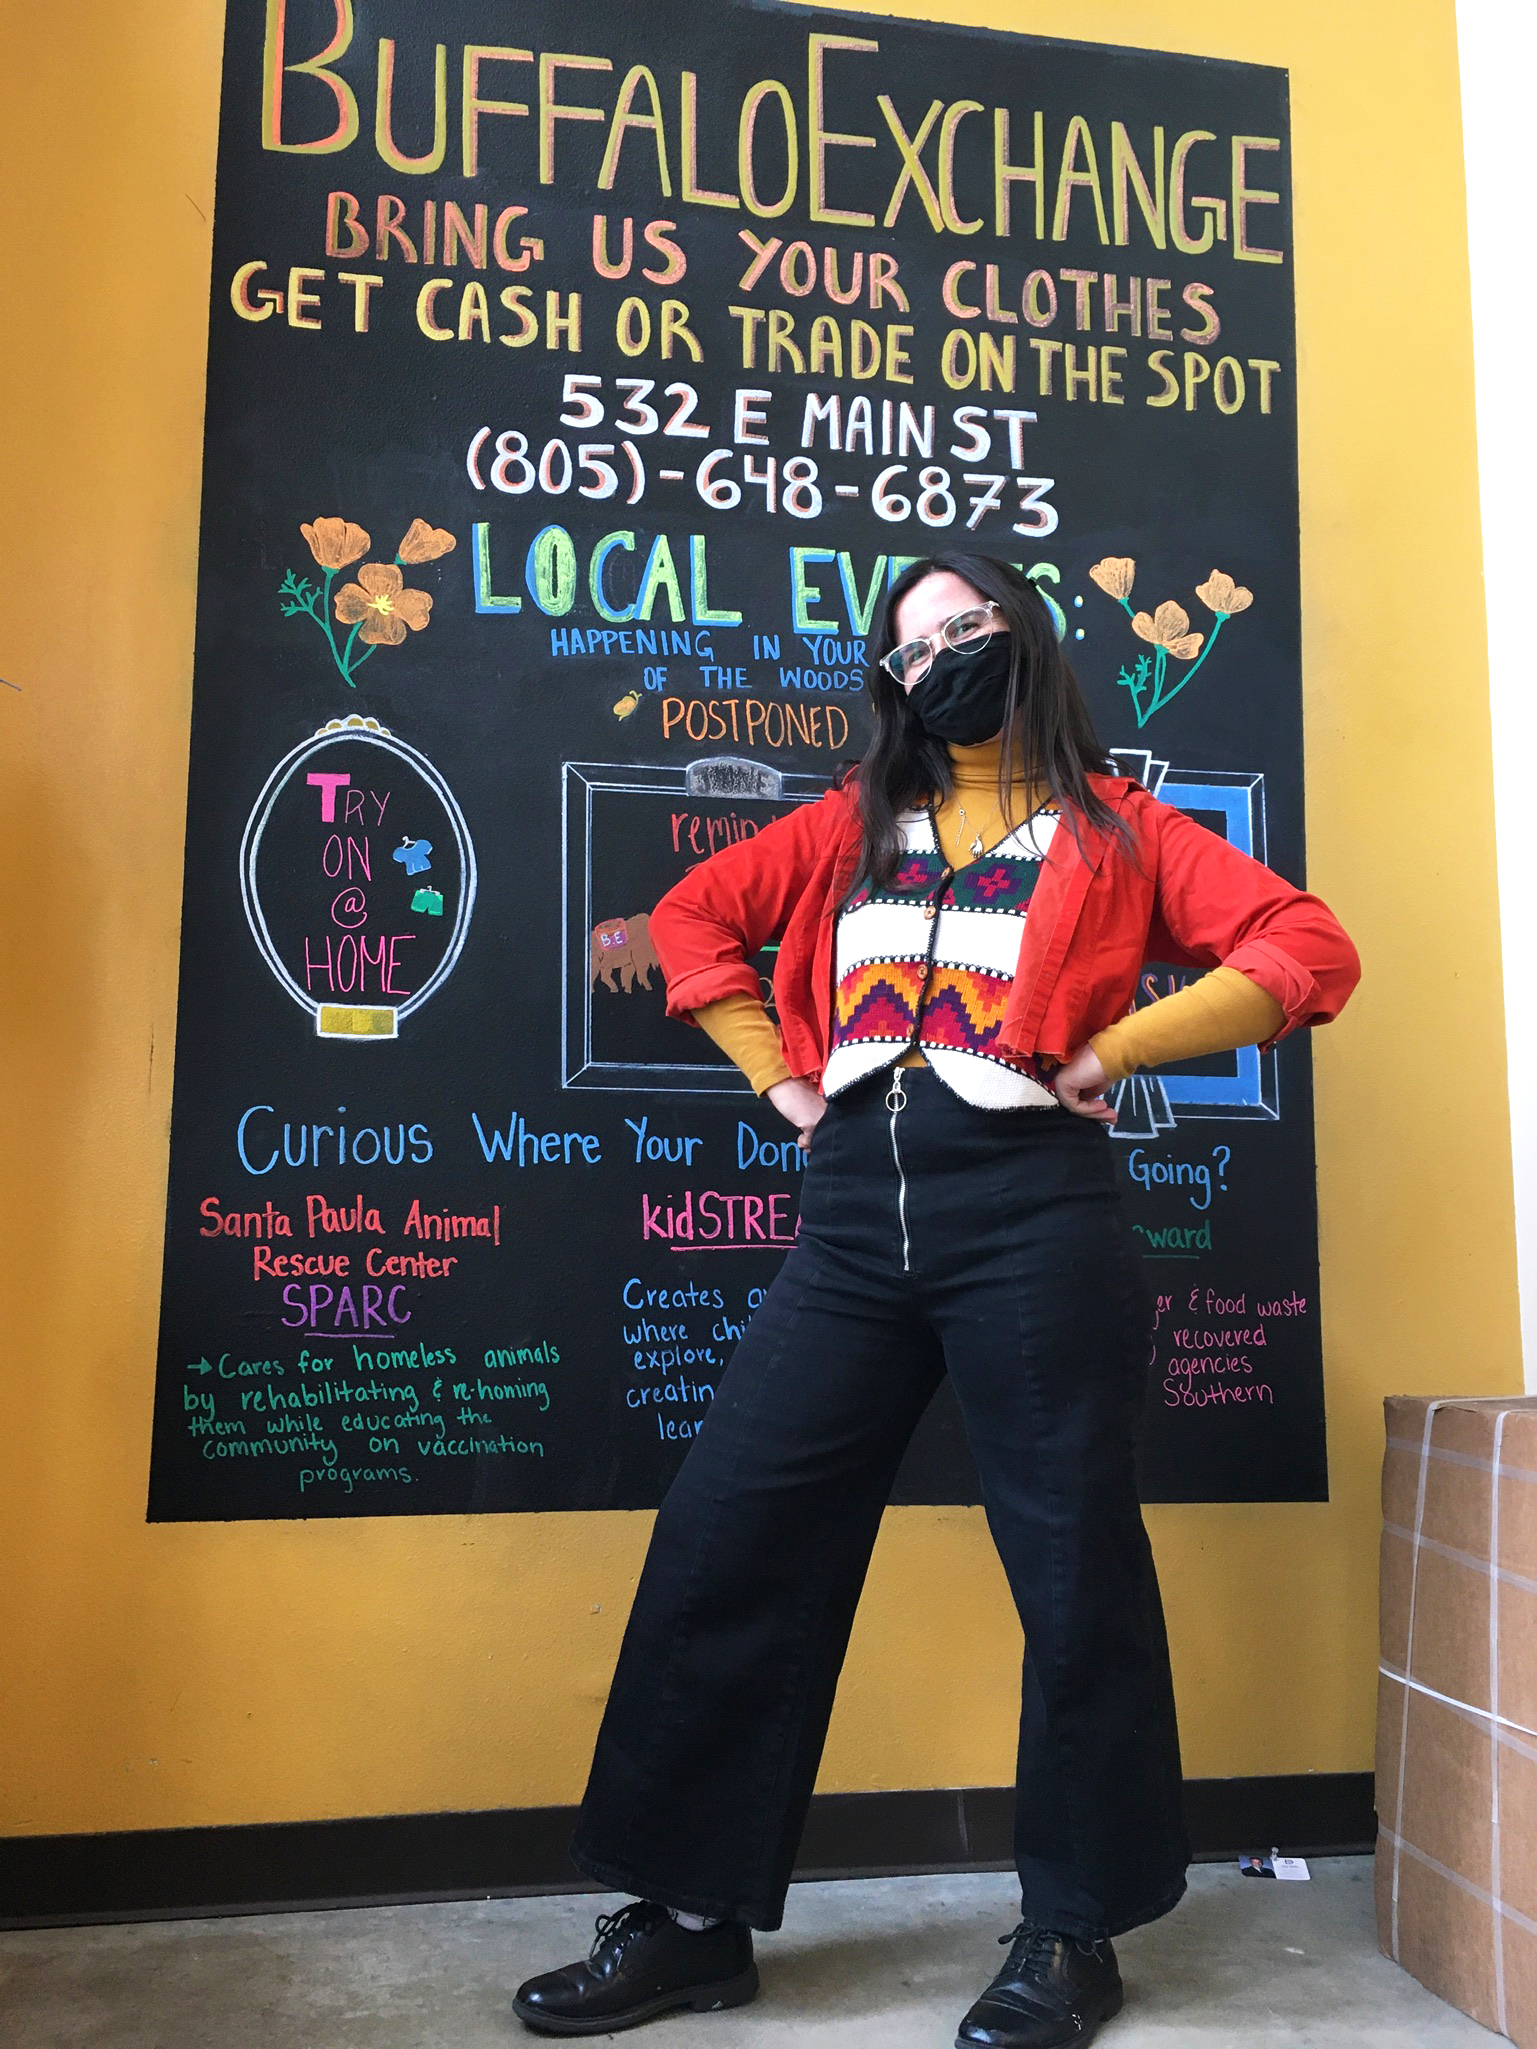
[{"x": 976, "y": 844}]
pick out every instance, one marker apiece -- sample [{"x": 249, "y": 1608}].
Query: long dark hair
[{"x": 1046, "y": 724}]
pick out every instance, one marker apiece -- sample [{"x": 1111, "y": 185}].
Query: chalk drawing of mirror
[{"x": 357, "y": 875}]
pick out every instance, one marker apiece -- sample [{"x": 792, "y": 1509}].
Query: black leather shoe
[
  {"x": 1052, "y": 1993},
  {"x": 642, "y": 1964}
]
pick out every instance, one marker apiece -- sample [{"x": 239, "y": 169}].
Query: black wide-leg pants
[{"x": 934, "y": 1238}]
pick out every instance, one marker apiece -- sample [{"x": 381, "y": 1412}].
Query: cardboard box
[{"x": 1457, "y": 1705}]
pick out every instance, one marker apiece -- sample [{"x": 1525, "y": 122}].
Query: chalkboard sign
[{"x": 579, "y": 378}]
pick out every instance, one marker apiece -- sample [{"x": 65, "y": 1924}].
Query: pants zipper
[{"x": 896, "y": 1103}]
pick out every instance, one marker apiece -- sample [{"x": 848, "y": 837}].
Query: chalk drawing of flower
[
  {"x": 378, "y": 605},
  {"x": 1221, "y": 595},
  {"x": 336, "y": 543},
  {"x": 424, "y": 543},
  {"x": 1167, "y": 631},
  {"x": 1115, "y": 576}
]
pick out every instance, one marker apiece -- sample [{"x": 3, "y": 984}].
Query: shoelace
[
  {"x": 623, "y": 1926},
  {"x": 1038, "y": 1944}
]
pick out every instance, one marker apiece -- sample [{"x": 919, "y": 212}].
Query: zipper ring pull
[{"x": 896, "y": 1095}]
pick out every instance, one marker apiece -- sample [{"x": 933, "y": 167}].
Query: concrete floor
[{"x": 867, "y": 1964}]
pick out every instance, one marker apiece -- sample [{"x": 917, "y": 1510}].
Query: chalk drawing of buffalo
[{"x": 622, "y": 947}]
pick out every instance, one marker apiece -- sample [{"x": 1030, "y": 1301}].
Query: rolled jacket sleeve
[
  {"x": 1216, "y": 1013},
  {"x": 1217, "y": 907}
]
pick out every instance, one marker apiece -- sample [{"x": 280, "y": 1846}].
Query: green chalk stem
[{"x": 1159, "y": 700}]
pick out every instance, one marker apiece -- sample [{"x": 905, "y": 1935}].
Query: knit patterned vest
[{"x": 929, "y": 959}]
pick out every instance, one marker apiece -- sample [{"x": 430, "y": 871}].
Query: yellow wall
[{"x": 191, "y": 1674}]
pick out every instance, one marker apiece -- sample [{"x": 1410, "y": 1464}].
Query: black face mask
[{"x": 962, "y": 697}]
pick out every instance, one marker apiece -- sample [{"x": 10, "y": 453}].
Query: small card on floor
[{"x": 1275, "y": 1866}]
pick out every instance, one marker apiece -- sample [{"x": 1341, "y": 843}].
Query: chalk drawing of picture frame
[
  {"x": 1238, "y": 1085},
  {"x": 630, "y": 831}
]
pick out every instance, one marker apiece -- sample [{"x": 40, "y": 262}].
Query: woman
[{"x": 960, "y": 933}]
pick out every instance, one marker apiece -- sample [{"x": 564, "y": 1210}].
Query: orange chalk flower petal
[
  {"x": 415, "y": 607},
  {"x": 381, "y": 606},
  {"x": 383, "y": 629},
  {"x": 382, "y": 580},
  {"x": 1169, "y": 628},
  {"x": 1220, "y": 594},
  {"x": 1115, "y": 575},
  {"x": 425, "y": 543},
  {"x": 335, "y": 543}
]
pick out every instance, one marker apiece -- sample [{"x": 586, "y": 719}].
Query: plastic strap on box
[
  {"x": 1431, "y": 1411},
  {"x": 1498, "y": 1914},
  {"x": 1496, "y": 1721}
]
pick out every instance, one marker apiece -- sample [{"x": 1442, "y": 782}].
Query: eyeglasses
[{"x": 908, "y": 664}]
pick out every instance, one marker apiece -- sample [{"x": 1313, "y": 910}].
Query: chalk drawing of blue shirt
[{"x": 415, "y": 855}]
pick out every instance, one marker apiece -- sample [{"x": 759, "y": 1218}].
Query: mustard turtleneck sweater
[{"x": 1221, "y": 1011}]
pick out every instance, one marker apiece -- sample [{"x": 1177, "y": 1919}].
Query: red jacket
[{"x": 1094, "y": 918}]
